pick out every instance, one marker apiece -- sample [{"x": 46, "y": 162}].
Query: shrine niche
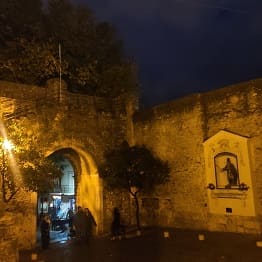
[{"x": 228, "y": 176}]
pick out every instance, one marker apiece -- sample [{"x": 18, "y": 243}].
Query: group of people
[{"x": 81, "y": 225}]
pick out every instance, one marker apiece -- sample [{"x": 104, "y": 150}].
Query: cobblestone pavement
[{"x": 153, "y": 246}]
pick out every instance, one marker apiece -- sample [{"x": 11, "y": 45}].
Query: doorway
[{"x": 59, "y": 201}]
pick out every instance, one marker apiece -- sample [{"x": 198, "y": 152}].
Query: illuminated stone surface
[
  {"x": 84, "y": 127},
  {"x": 176, "y": 132}
]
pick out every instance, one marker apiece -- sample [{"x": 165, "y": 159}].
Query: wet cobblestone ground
[{"x": 152, "y": 246}]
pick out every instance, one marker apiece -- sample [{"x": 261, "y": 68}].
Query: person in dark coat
[
  {"x": 79, "y": 224},
  {"x": 45, "y": 231},
  {"x": 116, "y": 226},
  {"x": 69, "y": 216},
  {"x": 90, "y": 225}
]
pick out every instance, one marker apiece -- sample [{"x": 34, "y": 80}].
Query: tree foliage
[
  {"x": 25, "y": 165},
  {"x": 92, "y": 56},
  {"x": 134, "y": 169}
]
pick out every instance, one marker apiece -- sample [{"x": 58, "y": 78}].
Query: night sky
[{"x": 187, "y": 46}]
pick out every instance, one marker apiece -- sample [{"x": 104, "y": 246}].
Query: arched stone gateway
[
  {"x": 88, "y": 185},
  {"x": 79, "y": 128}
]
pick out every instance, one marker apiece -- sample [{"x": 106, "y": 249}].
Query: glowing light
[
  {"x": 7, "y": 145},
  {"x": 8, "y": 159}
]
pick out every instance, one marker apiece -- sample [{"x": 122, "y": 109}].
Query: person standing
[
  {"x": 79, "y": 223},
  {"x": 116, "y": 226},
  {"x": 69, "y": 216},
  {"x": 45, "y": 231},
  {"x": 90, "y": 225}
]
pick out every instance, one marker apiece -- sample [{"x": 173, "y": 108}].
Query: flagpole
[{"x": 60, "y": 72}]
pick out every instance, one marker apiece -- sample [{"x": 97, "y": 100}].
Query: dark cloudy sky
[{"x": 187, "y": 46}]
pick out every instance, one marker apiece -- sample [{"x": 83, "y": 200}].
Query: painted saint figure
[{"x": 232, "y": 173}]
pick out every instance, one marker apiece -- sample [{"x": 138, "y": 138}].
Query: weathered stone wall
[
  {"x": 8, "y": 240},
  {"x": 121, "y": 200},
  {"x": 238, "y": 109},
  {"x": 17, "y": 225},
  {"x": 176, "y": 131}
]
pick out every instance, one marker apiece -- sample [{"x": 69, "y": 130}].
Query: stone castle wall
[
  {"x": 176, "y": 131},
  {"x": 238, "y": 109}
]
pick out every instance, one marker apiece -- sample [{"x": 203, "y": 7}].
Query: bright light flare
[{"x": 7, "y": 145}]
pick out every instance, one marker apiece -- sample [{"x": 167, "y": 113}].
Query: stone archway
[{"x": 88, "y": 185}]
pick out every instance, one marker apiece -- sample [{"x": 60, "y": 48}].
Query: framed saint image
[{"x": 226, "y": 170}]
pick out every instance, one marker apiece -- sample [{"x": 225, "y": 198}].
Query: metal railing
[{"x": 64, "y": 189}]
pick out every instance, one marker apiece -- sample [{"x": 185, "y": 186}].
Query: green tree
[
  {"x": 92, "y": 59},
  {"x": 134, "y": 169},
  {"x": 23, "y": 164}
]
